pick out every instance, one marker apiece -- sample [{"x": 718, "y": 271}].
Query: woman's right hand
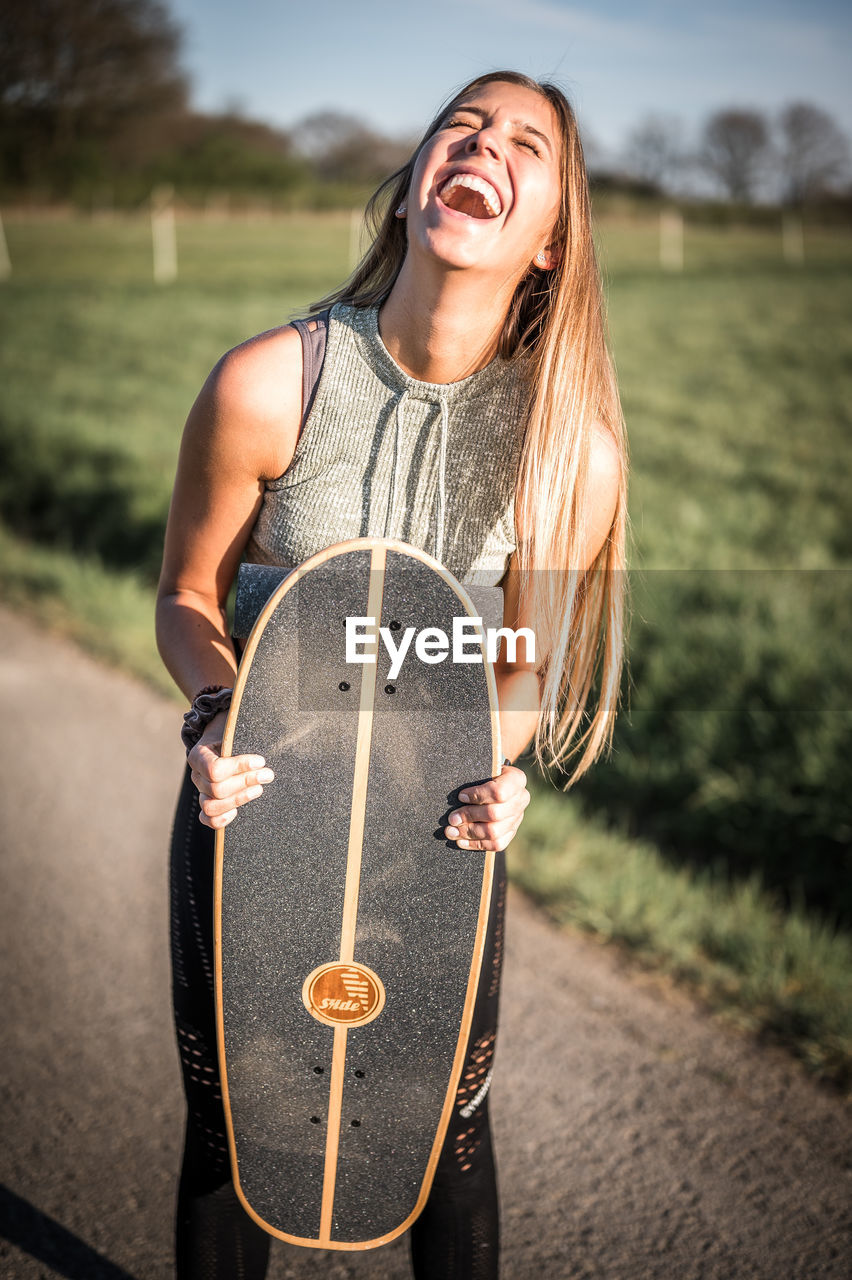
[{"x": 224, "y": 783}]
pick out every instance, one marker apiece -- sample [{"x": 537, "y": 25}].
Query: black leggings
[{"x": 456, "y": 1236}]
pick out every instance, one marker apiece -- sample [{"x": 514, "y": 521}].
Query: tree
[
  {"x": 343, "y": 148},
  {"x": 735, "y": 148},
  {"x": 655, "y": 153},
  {"x": 75, "y": 73},
  {"x": 229, "y": 152},
  {"x": 814, "y": 153}
]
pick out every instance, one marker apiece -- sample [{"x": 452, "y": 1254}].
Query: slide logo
[{"x": 348, "y": 995}]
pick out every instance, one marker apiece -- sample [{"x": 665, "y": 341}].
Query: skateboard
[{"x": 349, "y": 932}]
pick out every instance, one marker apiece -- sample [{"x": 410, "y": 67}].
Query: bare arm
[
  {"x": 495, "y": 811},
  {"x": 241, "y": 431}
]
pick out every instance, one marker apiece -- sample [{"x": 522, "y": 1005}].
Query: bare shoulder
[
  {"x": 604, "y": 487},
  {"x": 605, "y": 463},
  {"x": 255, "y": 371},
  {"x": 251, "y": 403}
]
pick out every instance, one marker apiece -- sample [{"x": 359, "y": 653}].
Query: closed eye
[{"x": 456, "y": 122}]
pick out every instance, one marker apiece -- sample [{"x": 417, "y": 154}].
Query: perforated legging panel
[
  {"x": 216, "y": 1239},
  {"x": 456, "y": 1236},
  {"x": 191, "y": 884}
]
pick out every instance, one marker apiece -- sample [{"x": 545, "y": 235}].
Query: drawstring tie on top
[{"x": 440, "y": 512}]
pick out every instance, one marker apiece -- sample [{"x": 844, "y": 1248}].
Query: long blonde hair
[{"x": 557, "y": 317}]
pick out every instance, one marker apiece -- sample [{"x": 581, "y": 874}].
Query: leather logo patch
[{"x": 347, "y": 995}]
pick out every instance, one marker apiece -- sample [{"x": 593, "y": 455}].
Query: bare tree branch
[
  {"x": 814, "y": 152},
  {"x": 735, "y": 149},
  {"x": 655, "y": 152}
]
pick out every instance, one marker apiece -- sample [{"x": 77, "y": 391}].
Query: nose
[{"x": 484, "y": 140}]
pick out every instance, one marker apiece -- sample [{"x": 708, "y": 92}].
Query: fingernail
[
  {"x": 228, "y": 817},
  {"x": 254, "y": 792},
  {"x": 265, "y": 775},
  {"x": 463, "y": 844},
  {"x": 452, "y": 832},
  {"x": 257, "y": 762},
  {"x": 455, "y": 819},
  {"x": 464, "y": 797}
]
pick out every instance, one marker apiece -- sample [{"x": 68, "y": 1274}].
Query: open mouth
[{"x": 470, "y": 194}]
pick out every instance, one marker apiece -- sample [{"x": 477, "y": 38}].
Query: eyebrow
[{"x": 519, "y": 124}]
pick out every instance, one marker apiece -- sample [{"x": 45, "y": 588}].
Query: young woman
[{"x": 467, "y": 405}]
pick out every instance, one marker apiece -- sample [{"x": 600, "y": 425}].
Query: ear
[{"x": 547, "y": 258}]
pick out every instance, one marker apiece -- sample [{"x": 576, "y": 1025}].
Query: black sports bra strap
[{"x": 313, "y": 354}]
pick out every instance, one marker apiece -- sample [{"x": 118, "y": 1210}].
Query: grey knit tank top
[{"x": 381, "y": 454}]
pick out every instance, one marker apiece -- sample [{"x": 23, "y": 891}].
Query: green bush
[
  {"x": 735, "y": 739},
  {"x": 85, "y": 498},
  {"x": 779, "y": 972}
]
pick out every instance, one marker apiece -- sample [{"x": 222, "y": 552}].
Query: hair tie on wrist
[{"x": 206, "y": 705}]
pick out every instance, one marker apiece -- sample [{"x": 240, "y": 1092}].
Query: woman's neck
[{"x": 443, "y": 327}]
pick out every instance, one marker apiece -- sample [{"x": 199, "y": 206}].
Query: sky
[{"x": 393, "y": 63}]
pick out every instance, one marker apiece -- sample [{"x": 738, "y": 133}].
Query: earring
[
  {"x": 402, "y": 210},
  {"x": 541, "y": 258}
]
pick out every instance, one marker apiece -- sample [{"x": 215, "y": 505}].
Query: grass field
[{"x": 735, "y": 381}]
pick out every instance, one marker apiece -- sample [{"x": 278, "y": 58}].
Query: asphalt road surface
[{"x": 635, "y": 1136}]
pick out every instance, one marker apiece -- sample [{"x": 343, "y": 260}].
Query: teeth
[{"x": 476, "y": 184}]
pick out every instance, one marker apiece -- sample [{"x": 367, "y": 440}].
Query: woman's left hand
[{"x": 490, "y": 814}]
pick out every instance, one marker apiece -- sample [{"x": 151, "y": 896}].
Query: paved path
[{"x": 635, "y": 1137}]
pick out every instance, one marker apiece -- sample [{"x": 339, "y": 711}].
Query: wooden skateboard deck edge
[{"x": 378, "y": 547}]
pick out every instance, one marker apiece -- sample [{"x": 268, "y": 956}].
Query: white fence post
[
  {"x": 164, "y": 235},
  {"x": 793, "y": 239},
  {"x": 5, "y": 260},
  {"x": 671, "y": 240}
]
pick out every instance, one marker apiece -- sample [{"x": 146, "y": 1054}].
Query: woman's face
[{"x": 486, "y": 188}]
